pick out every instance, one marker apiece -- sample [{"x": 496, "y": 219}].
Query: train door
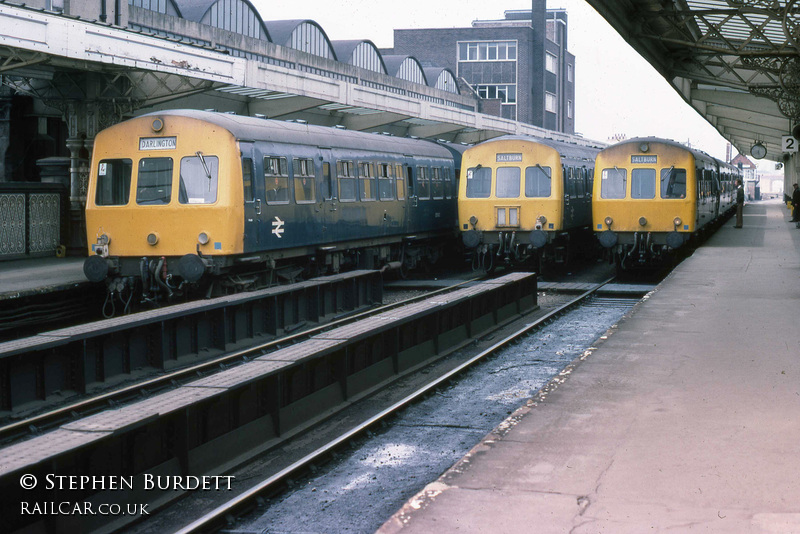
[
  {"x": 412, "y": 204},
  {"x": 329, "y": 198},
  {"x": 716, "y": 194},
  {"x": 582, "y": 204},
  {"x": 569, "y": 208},
  {"x": 253, "y": 200}
]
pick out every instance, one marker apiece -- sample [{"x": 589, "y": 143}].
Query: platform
[
  {"x": 683, "y": 419},
  {"x": 33, "y": 276}
]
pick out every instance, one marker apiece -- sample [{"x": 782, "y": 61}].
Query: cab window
[
  {"x": 276, "y": 180},
  {"x": 643, "y": 183},
  {"x": 113, "y": 182},
  {"x": 537, "y": 182},
  {"x": 673, "y": 183},
  {"x": 613, "y": 182},
  {"x": 508, "y": 179},
  {"x": 479, "y": 182},
  {"x": 154, "y": 182},
  {"x": 198, "y": 183}
]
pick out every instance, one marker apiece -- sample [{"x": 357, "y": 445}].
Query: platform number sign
[{"x": 789, "y": 143}]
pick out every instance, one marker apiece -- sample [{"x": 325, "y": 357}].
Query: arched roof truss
[
  {"x": 166, "y": 7},
  {"x": 238, "y": 16},
  {"x": 442, "y": 79},
  {"x": 406, "y": 68},
  {"x": 304, "y": 35},
  {"x": 363, "y": 54}
]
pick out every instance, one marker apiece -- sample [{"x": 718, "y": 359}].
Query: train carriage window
[
  {"x": 538, "y": 182},
  {"x": 423, "y": 183},
  {"x": 198, "y": 181},
  {"x": 437, "y": 185},
  {"x": 401, "y": 185},
  {"x": 247, "y": 180},
  {"x": 305, "y": 187},
  {"x": 508, "y": 182},
  {"x": 643, "y": 183},
  {"x": 385, "y": 181},
  {"x": 366, "y": 180},
  {"x": 276, "y": 179},
  {"x": 479, "y": 182},
  {"x": 113, "y": 182},
  {"x": 580, "y": 182},
  {"x": 448, "y": 183},
  {"x": 154, "y": 183},
  {"x": 613, "y": 183},
  {"x": 347, "y": 181}
]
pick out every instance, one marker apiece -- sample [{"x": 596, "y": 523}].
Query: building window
[
  {"x": 506, "y": 93},
  {"x": 487, "y": 51},
  {"x": 570, "y": 72},
  {"x": 550, "y": 103},
  {"x": 550, "y": 62},
  {"x": 569, "y": 108}
]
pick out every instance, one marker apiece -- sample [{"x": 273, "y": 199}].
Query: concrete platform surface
[
  {"x": 39, "y": 275},
  {"x": 684, "y": 419}
]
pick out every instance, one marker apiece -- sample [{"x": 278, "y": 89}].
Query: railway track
[
  {"x": 254, "y": 402},
  {"x": 252, "y": 501},
  {"x": 144, "y": 388}
]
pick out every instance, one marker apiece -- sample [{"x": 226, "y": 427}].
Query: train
[
  {"x": 184, "y": 200},
  {"x": 653, "y": 195},
  {"x": 188, "y": 201},
  {"x": 526, "y": 200}
]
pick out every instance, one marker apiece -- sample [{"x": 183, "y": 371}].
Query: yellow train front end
[
  {"x": 510, "y": 200},
  {"x": 164, "y": 198},
  {"x": 645, "y": 200}
]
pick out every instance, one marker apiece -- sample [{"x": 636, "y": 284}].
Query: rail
[{"x": 225, "y": 515}]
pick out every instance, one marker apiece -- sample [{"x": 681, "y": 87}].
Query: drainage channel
[
  {"x": 371, "y": 470},
  {"x": 206, "y": 427}
]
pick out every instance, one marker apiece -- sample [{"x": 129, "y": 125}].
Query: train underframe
[
  {"x": 645, "y": 250},
  {"x": 151, "y": 281},
  {"x": 538, "y": 249}
]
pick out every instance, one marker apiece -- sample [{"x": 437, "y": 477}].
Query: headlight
[
  {"x": 103, "y": 239},
  {"x": 642, "y": 221},
  {"x": 152, "y": 239},
  {"x": 609, "y": 221},
  {"x": 202, "y": 238},
  {"x": 542, "y": 219},
  {"x": 677, "y": 221}
]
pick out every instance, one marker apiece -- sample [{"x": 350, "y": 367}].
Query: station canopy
[{"x": 735, "y": 61}]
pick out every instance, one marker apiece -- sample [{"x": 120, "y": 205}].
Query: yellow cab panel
[
  {"x": 148, "y": 173},
  {"x": 644, "y": 187},
  {"x": 509, "y": 185}
]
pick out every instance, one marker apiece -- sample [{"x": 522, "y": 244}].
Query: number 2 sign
[{"x": 788, "y": 143}]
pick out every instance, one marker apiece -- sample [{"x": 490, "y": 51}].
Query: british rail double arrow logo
[{"x": 277, "y": 227}]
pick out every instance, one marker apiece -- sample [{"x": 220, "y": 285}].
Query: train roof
[
  {"x": 697, "y": 153},
  {"x": 268, "y": 130},
  {"x": 567, "y": 150}
]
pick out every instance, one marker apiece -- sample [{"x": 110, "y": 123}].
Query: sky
[{"x": 617, "y": 92}]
